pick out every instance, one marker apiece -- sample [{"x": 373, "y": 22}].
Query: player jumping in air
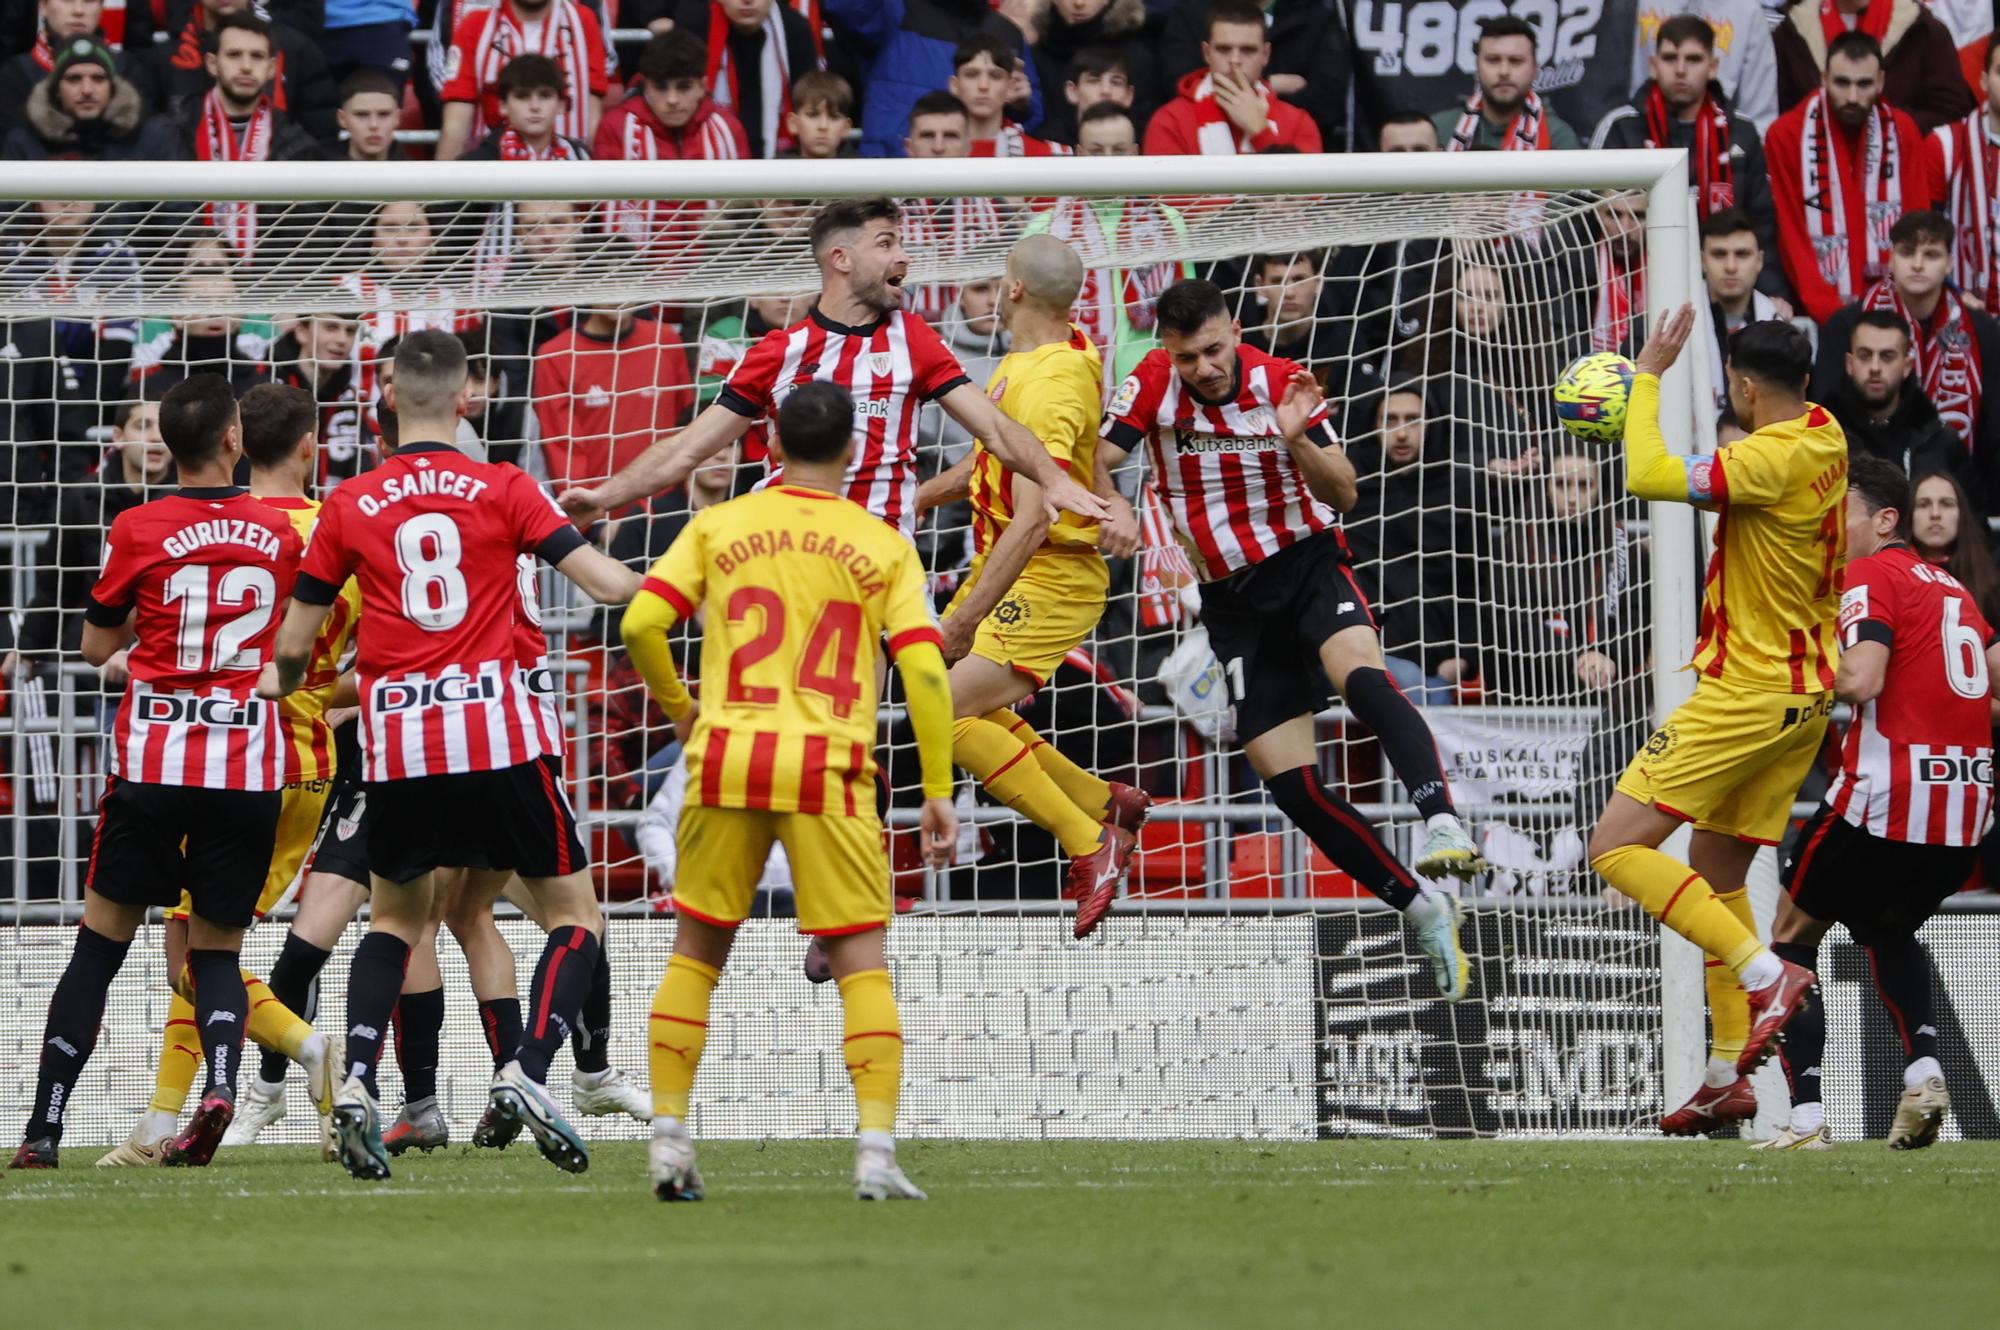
[
  {"x": 280, "y": 426},
  {"x": 450, "y": 746},
  {"x": 1241, "y": 447},
  {"x": 191, "y": 582},
  {"x": 1729, "y": 759},
  {"x": 1900, "y": 828},
  {"x": 1036, "y": 589},
  {"x": 801, "y": 585}
]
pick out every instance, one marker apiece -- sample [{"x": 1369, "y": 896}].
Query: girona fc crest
[{"x": 998, "y": 390}]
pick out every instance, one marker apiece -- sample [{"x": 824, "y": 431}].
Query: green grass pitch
[{"x": 1216, "y": 1235}]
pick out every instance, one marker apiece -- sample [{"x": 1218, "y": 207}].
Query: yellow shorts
[
  {"x": 839, "y": 864},
  {"x": 298, "y": 824},
  {"x": 1731, "y": 760},
  {"x": 1051, "y": 609}
]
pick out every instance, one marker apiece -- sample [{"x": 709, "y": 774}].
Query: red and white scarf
[
  {"x": 1881, "y": 169},
  {"x": 514, "y": 148},
  {"x": 1621, "y": 293},
  {"x": 217, "y": 142},
  {"x": 939, "y": 231},
  {"x": 1714, "y": 176},
  {"x": 45, "y": 56},
  {"x": 1873, "y": 20},
  {"x": 1215, "y": 133},
  {"x": 1165, "y": 571},
  {"x": 1121, "y": 284},
  {"x": 1013, "y": 141},
  {"x": 1972, "y": 172},
  {"x": 1946, "y": 355},
  {"x": 774, "y": 77},
  {"x": 563, "y": 38},
  {"x": 1528, "y": 131}
]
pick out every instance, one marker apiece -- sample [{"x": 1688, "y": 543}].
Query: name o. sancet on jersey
[
  {"x": 443, "y": 684},
  {"x": 201, "y": 573}
]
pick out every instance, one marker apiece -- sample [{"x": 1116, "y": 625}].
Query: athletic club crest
[{"x": 879, "y": 363}]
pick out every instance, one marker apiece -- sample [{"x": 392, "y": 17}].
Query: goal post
[{"x": 1244, "y": 986}]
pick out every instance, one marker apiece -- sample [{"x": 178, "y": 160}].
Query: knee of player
[{"x": 1605, "y": 851}]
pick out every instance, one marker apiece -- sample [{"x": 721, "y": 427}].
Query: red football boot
[
  {"x": 194, "y": 1147},
  {"x": 1129, "y": 807},
  {"x": 35, "y": 1154},
  {"x": 1093, "y": 878},
  {"x": 1770, "y": 1008},
  {"x": 1712, "y": 1108}
]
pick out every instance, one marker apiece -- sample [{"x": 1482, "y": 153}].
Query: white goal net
[{"x": 1243, "y": 986}]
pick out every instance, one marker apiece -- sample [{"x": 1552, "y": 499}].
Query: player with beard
[{"x": 1242, "y": 449}]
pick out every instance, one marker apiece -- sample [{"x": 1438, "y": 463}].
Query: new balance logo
[
  {"x": 364, "y": 1032},
  {"x": 67, "y": 1049},
  {"x": 1346, "y": 607},
  {"x": 219, "y": 1018},
  {"x": 1930, "y": 1030}
]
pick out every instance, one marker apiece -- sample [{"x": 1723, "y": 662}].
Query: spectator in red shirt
[
  {"x": 1228, "y": 108},
  {"x": 487, "y": 39},
  {"x": 607, "y": 388},
  {"x": 673, "y": 118},
  {"x": 983, "y": 70},
  {"x": 755, "y": 53}
]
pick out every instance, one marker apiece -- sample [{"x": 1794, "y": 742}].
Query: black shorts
[
  {"x": 1266, "y": 624},
  {"x": 1840, "y": 874},
  {"x": 516, "y": 818},
  {"x": 153, "y": 841}
]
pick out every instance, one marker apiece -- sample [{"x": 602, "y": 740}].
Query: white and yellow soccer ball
[{"x": 1591, "y": 396}]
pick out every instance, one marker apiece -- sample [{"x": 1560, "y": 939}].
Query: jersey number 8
[{"x": 428, "y": 550}]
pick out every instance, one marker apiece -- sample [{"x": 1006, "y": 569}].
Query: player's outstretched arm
[
  {"x": 1328, "y": 474},
  {"x": 667, "y": 462},
  {"x": 598, "y": 575},
  {"x": 1023, "y": 453},
  {"x": 296, "y": 636},
  {"x": 948, "y": 486},
  {"x": 101, "y": 642},
  {"x": 1004, "y": 562},
  {"x": 1118, "y": 534},
  {"x": 1651, "y": 472},
  {"x": 927, "y": 695},
  {"x": 644, "y": 628}
]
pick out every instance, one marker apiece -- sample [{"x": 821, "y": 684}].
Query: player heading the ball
[{"x": 800, "y": 586}]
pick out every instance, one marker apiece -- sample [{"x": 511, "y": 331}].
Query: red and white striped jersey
[
  {"x": 1235, "y": 493},
  {"x": 486, "y": 39},
  {"x": 531, "y": 653},
  {"x": 433, "y": 538},
  {"x": 1013, "y": 141},
  {"x": 202, "y": 572},
  {"x": 1916, "y": 764},
  {"x": 891, "y": 367}
]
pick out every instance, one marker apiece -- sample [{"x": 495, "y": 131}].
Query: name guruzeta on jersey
[
  {"x": 222, "y": 531},
  {"x": 779, "y": 541}
]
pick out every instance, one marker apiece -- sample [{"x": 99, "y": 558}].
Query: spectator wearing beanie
[
  {"x": 1921, "y": 74},
  {"x": 62, "y": 21},
  {"x": 85, "y": 110}
]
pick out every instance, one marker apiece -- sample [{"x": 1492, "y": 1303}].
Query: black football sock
[
  {"x": 562, "y": 978},
  {"x": 374, "y": 981},
  {"x": 295, "y": 982},
  {"x": 500, "y": 1019},
  {"x": 221, "y": 1008},
  {"x": 591, "y": 1042},
  {"x": 1802, "y": 1047},
  {"x": 1406, "y": 740},
  {"x": 419, "y": 1034},
  {"x": 1902, "y": 970},
  {"x": 1342, "y": 834},
  {"x": 76, "y": 1010}
]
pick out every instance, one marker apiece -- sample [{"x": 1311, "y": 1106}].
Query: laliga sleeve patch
[
  {"x": 453, "y": 63},
  {"x": 1127, "y": 394},
  {"x": 1853, "y": 609}
]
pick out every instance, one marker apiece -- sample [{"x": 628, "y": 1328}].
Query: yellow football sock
[
  {"x": 1681, "y": 899},
  {"x": 1090, "y": 793},
  {"x": 873, "y": 1047},
  {"x": 1000, "y": 760},
  {"x": 1728, "y": 1006},
  {"x": 679, "y": 1031},
  {"x": 272, "y": 1024},
  {"x": 180, "y": 1056}
]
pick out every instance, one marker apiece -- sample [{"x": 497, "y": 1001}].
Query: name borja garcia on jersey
[{"x": 779, "y": 540}]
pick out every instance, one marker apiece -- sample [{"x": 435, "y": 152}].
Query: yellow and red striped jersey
[
  {"x": 1054, "y": 391},
  {"x": 1773, "y": 593},
  {"x": 800, "y": 587},
  {"x": 309, "y": 754}
]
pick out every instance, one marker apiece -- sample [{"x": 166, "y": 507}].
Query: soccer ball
[{"x": 1591, "y": 396}]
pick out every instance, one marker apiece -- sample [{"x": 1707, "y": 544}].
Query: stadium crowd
[{"x": 1844, "y": 157}]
